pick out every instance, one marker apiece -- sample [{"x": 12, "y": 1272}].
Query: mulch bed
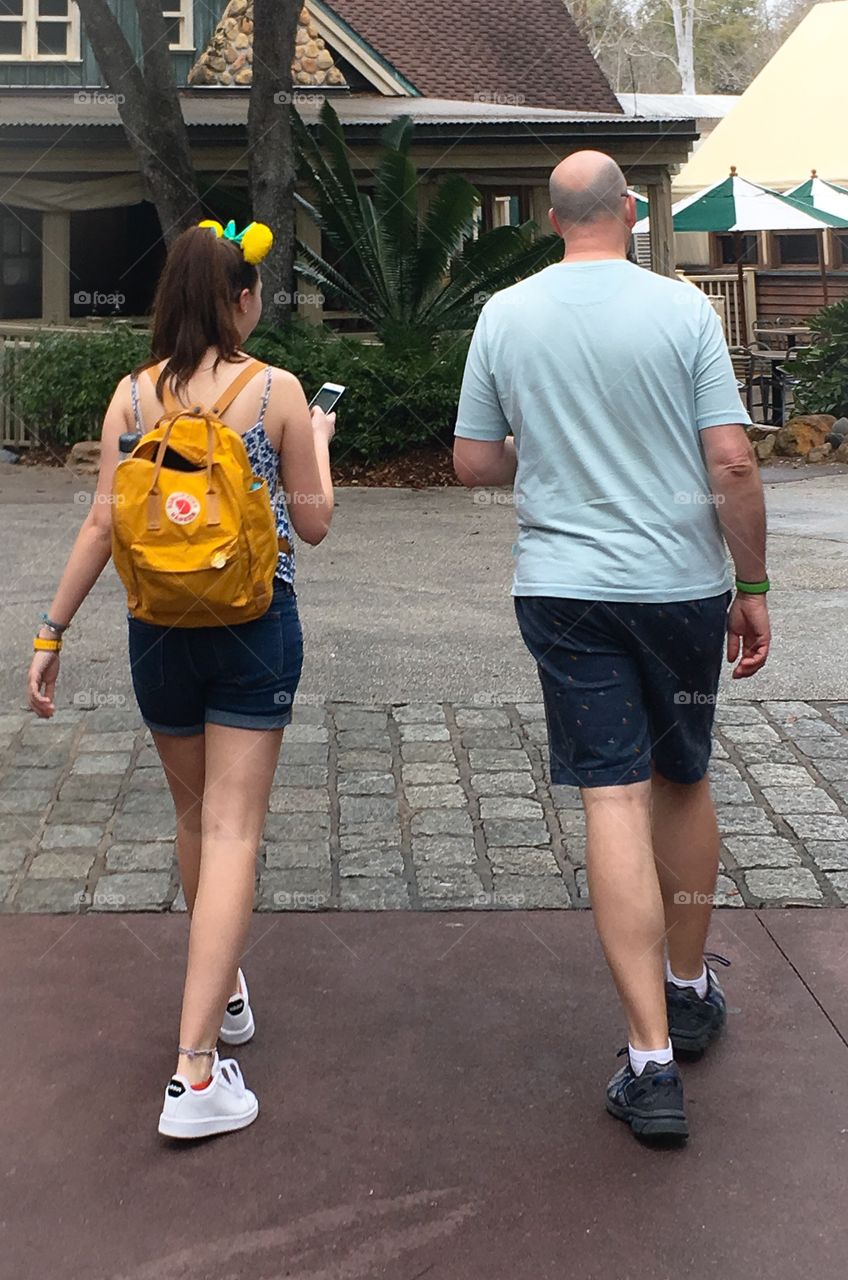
[{"x": 416, "y": 469}]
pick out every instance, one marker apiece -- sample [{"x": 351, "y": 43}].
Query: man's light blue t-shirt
[{"x": 606, "y": 374}]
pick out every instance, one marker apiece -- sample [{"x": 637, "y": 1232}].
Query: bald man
[{"x": 606, "y": 393}]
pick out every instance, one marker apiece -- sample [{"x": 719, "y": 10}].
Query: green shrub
[
  {"x": 62, "y": 385},
  {"x": 392, "y": 401},
  {"x": 822, "y": 369}
]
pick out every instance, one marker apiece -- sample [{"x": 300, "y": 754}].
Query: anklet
[{"x": 196, "y": 1053}]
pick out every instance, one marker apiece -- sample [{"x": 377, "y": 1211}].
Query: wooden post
[
  {"x": 741, "y": 305},
  {"x": 823, "y": 269},
  {"x": 55, "y": 267},
  {"x": 540, "y": 203},
  {"x": 310, "y": 306},
  {"x": 662, "y": 227}
]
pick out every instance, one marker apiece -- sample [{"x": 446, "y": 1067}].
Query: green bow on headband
[{"x": 254, "y": 241}]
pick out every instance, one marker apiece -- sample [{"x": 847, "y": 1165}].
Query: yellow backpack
[{"x": 196, "y": 547}]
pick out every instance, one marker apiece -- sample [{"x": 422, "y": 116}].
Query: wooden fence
[
  {"x": 12, "y": 429},
  {"x": 15, "y": 340}
]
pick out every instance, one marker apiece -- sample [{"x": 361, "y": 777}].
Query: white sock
[
  {"x": 639, "y": 1058},
  {"x": 701, "y": 984}
]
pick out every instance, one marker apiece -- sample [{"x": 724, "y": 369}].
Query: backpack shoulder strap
[
  {"x": 228, "y": 395},
  {"x": 169, "y": 400}
]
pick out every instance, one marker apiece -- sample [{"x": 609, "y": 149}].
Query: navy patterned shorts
[{"x": 628, "y": 688}]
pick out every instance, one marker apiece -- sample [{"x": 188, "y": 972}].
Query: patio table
[{"x": 790, "y": 332}]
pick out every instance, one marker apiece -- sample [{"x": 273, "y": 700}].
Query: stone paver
[{"x": 429, "y": 805}]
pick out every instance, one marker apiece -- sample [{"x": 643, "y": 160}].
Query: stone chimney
[{"x": 228, "y": 59}]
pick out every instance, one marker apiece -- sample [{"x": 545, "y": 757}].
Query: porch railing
[{"x": 725, "y": 290}]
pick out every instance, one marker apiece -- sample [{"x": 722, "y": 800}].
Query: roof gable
[{"x": 496, "y": 51}]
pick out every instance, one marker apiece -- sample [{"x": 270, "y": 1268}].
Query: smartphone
[{"x": 328, "y": 397}]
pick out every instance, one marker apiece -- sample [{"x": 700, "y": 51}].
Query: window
[
  {"x": 507, "y": 208},
  {"x": 179, "y": 21},
  {"x": 840, "y": 245},
  {"x": 797, "y": 249},
  {"x": 727, "y": 249},
  {"x": 39, "y": 31}
]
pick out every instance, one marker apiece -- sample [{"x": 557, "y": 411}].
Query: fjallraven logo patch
[{"x": 182, "y": 508}]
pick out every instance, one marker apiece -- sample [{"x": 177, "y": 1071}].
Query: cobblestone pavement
[{"x": 410, "y": 806}]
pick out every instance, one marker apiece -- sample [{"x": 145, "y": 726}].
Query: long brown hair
[{"x": 202, "y": 280}]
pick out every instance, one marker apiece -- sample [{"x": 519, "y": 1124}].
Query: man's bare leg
[
  {"x": 627, "y": 904},
  {"x": 686, "y": 848}
]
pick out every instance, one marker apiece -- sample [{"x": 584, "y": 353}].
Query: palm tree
[{"x": 411, "y": 276}]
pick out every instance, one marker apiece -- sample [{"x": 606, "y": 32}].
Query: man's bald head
[{"x": 588, "y": 187}]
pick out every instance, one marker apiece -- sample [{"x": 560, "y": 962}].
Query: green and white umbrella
[
  {"x": 826, "y": 197},
  {"x": 738, "y": 206}
]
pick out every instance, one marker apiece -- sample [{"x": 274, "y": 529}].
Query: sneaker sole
[
  {"x": 239, "y": 1037},
  {"x": 208, "y": 1126},
  {"x": 654, "y": 1124}
]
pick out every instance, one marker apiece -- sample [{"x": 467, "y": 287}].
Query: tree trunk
[
  {"x": 148, "y": 103},
  {"x": 683, "y": 18},
  {"x": 271, "y": 150}
]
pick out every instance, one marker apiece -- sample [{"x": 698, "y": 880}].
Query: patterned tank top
[{"x": 265, "y": 461}]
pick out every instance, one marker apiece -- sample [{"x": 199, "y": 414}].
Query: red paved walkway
[{"x": 431, "y": 1091}]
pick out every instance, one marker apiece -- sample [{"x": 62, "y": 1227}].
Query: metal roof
[
  {"x": 228, "y": 107},
  {"x": 678, "y": 106}
]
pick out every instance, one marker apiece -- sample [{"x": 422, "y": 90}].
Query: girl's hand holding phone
[{"x": 324, "y": 424}]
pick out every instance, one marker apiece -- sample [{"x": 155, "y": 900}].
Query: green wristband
[{"x": 752, "y": 588}]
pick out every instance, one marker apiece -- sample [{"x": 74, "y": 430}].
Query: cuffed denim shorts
[
  {"x": 628, "y": 688},
  {"x": 245, "y": 676}
]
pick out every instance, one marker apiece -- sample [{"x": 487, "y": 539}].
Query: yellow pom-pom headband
[{"x": 255, "y": 241}]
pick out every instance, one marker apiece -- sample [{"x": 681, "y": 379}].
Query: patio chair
[{"x": 754, "y": 382}]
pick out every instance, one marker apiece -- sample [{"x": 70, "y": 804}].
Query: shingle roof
[{"x": 521, "y": 52}]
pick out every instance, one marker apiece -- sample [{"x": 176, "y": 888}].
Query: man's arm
[
  {"x": 484, "y": 450},
  {"x": 740, "y": 504},
  {"x": 484, "y": 461}
]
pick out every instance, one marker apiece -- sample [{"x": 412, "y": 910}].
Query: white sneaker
[
  {"x": 224, "y": 1105},
  {"x": 238, "y": 1025}
]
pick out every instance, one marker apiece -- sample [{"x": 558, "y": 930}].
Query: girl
[{"x": 216, "y": 699}]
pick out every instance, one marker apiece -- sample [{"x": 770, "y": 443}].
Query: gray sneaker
[
  {"x": 693, "y": 1023},
  {"x": 651, "y": 1103}
]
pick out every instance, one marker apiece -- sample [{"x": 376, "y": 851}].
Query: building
[
  {"x": 499, "y": 92},
  {"x": 788, "y": 122}
]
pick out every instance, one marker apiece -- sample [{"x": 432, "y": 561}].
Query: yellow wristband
[{"x": 46, "y": 646}]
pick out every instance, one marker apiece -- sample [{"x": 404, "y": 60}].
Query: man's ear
[
  {"x": 631, "y": 215},
  {"x": 554, "y": 221}
]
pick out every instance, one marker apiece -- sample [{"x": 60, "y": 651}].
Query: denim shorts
[
  {"x": 245, "y": 676},
  {"x": 628, "y": 688}
]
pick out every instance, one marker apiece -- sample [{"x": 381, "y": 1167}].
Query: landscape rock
[
  {"x": 801, "y": 434},
  {"x": 84, "y": 458},
  {"x": 821, "y": 454},
  {"x": 840, "y": 454},
  {"x": 764, "y": 447}
]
